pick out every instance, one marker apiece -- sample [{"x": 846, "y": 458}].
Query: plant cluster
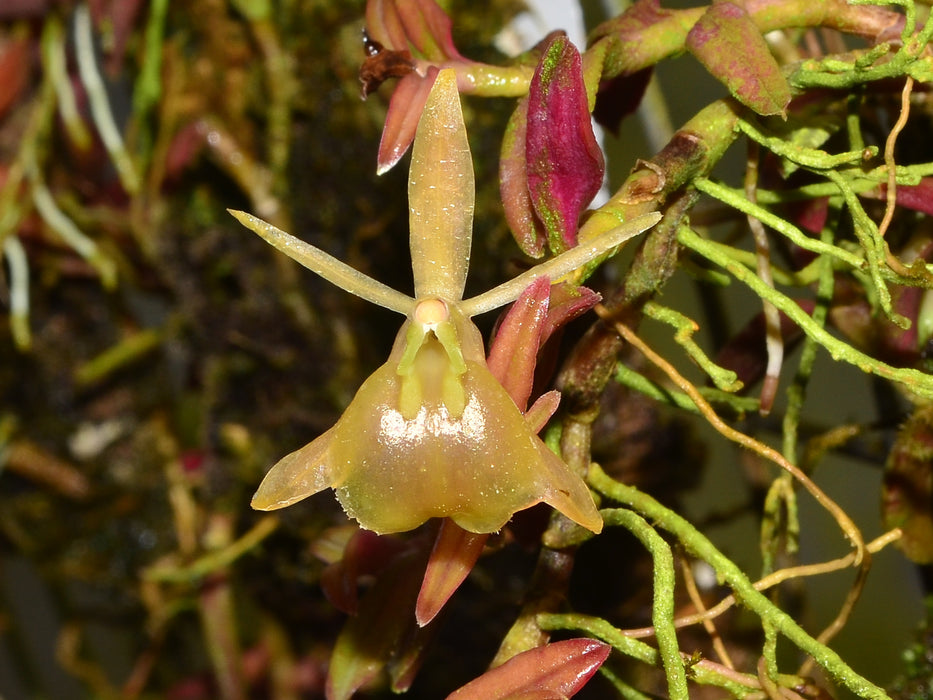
[{"x": 157, "y": 358}]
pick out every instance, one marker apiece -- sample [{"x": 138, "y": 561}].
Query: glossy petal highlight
[{"x": 392, "y": 473}]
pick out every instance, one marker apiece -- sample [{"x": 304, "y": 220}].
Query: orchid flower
[{"x": 431, "y": 433}]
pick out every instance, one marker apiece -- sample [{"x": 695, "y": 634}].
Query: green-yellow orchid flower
[{"x": 431, "y": 433}]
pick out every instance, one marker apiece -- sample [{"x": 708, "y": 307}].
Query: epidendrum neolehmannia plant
[
  {"x": 437, "y": 458},
  {"x": 432, "y": 433}
]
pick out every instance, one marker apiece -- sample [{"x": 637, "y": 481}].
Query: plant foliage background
[{"x": 156, "y": 358}]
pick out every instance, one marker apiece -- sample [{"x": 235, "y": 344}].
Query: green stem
[
  {"x": 704, "y": 673},
  {"x": 699, "y": 546},
  {"x": 642, "y": 384},
  {"x": 662, "y": 613},
  {"x": 918, "y": 382},
  {"x": 725, "y": 379}
]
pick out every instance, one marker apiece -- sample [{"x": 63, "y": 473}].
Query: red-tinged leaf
[
  {"x": 811, "y": 214},
  {"x": 564, "y": 162},
  {"x": 855, "y": 320},
  {"x": 567, "y": 302},
  {"x": 419, "y": 24},
  {"x": 14, "y": 71},
  {"x": 917, "y": 197},
  {"x": 381, "y": 633},
  {"x": 452, "y": 559},
  {"x": 729, "y": 44},
  {"x": 429, "y": 28},
  {"x": 383, "y": 24},
  {"x": 405, "y": 109},
  {"x": 556, "y": 670},
  {"x": 513, "y": 353},
  {"x": 185, "y": 147},
  {"x": 898, "y": 346},
  {"x": 121, "y": 16},
  {"x": 513, "y": 185},
  {"x": 22, "y": 9}
]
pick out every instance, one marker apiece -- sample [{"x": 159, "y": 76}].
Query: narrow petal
[
  {"x": 560, "y": 265},
  {"x": 327, "y": 266},
  {"x": 441, "y": 195}
]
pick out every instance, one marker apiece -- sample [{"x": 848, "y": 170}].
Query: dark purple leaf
[
  {"x": 365, "y": 554},
  {"x": 620, "y": 96},
  {"x": 745, "y": 353}
]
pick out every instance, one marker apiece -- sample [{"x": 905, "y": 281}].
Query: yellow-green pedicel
[{"x": 432, "y": 433}]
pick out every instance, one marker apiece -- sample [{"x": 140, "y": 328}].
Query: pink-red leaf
[
  {"x": 418, "y": 24},
  {"x": 564, "y": 162},
  {"x": 513, "y": 354},
  {"x": 453, "y": 557},
  {"x": 729, "y": 44},
  {"x": 405, "y": 110},
  {"x": 918, "y": 197},
  {"x": 567, "y": 302},
  {"x": 556, "y": 670},
  {"x": 14, "y": 71},
  {"x": 384, "y": 24}
]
